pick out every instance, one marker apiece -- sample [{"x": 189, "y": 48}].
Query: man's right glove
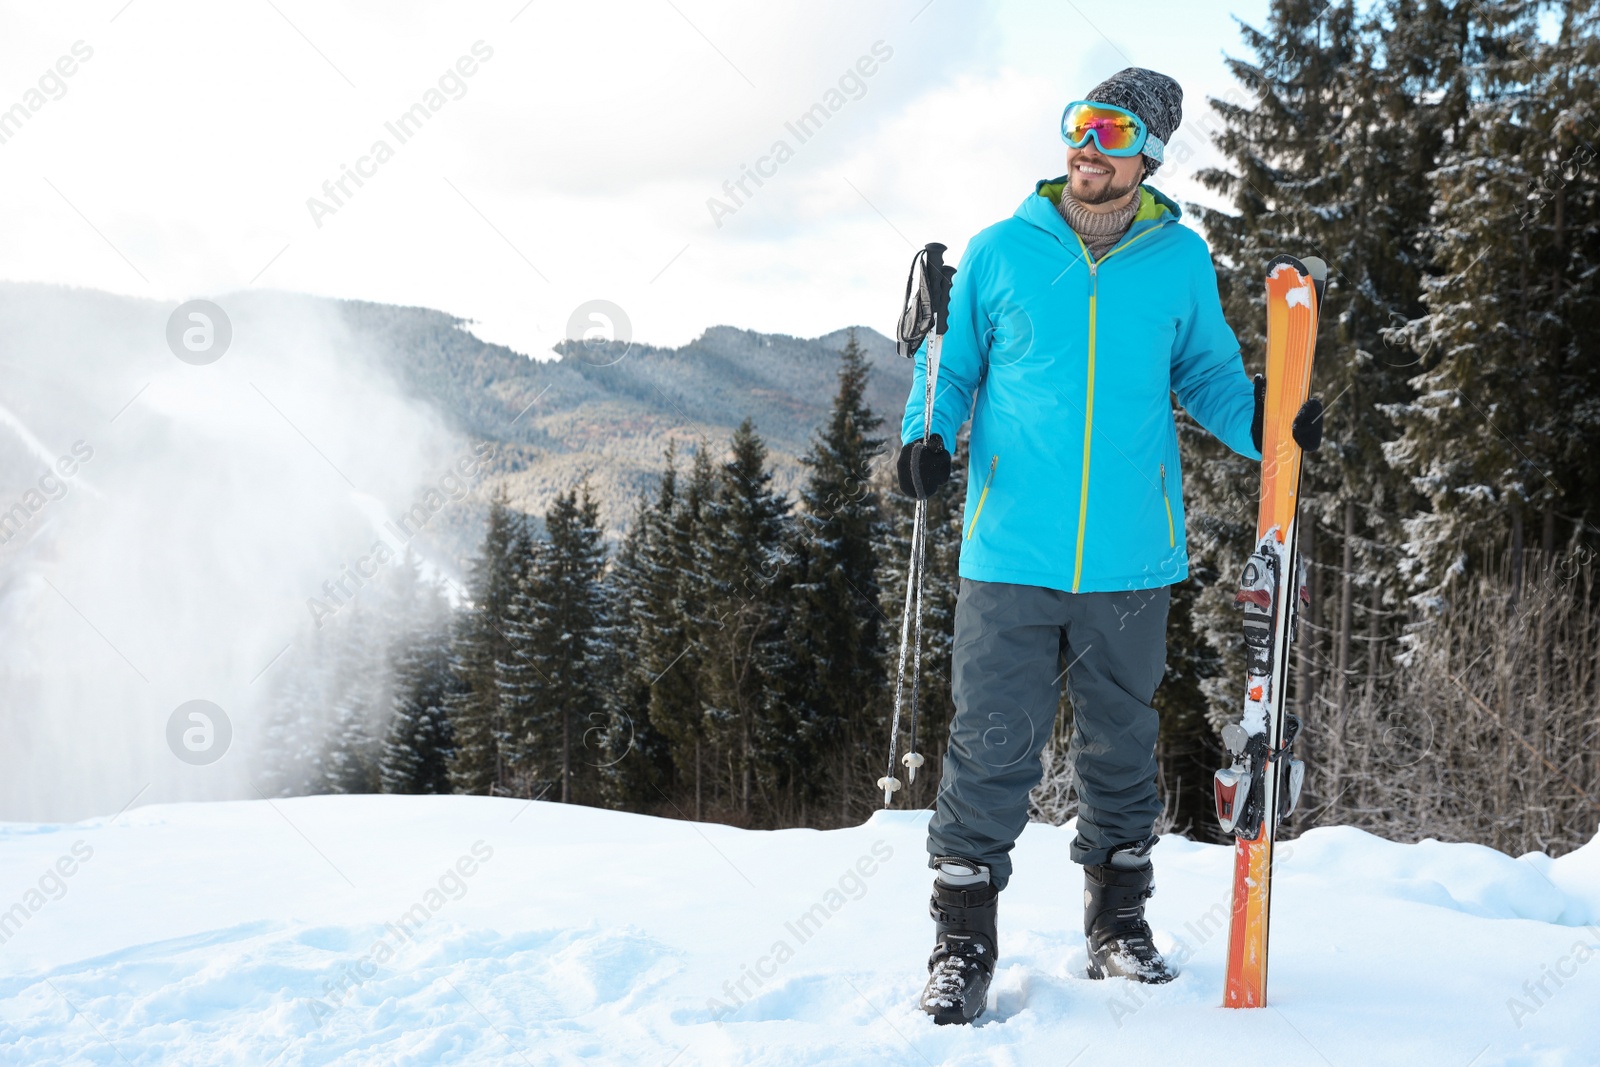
[{"x": 924, "y": 467}]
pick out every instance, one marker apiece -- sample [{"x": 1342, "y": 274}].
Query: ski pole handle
[
  {"x": 937, "y": 278},
  {"x": 940, "y": 278}
]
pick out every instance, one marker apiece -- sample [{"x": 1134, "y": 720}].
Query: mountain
[
  {"x": 73, "y": 358},
  {"x": 609, "y": 410}
]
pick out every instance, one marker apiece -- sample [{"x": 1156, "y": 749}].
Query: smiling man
[{"x": 1072, "y": 323}]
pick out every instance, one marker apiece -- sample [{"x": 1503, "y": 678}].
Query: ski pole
[
  {"x": 925, "y": 315},
  {"x": 889, "y": 783}
]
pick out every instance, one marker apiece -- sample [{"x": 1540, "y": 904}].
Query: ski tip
[
  {"x": 1287, "y": 261},
  {"x": 1311, "y": 268},
  {"x": 1319, "y": 275}
]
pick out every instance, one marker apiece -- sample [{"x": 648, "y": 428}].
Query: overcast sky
[{"x": 561, "y": 152}]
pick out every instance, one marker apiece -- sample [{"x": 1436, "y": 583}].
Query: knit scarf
[{"x": 1099, "y": 230}]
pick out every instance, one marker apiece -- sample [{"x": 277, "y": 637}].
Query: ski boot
[
  {"x": 963, "y": 909},
  {"x": 1119, "y": 940}
]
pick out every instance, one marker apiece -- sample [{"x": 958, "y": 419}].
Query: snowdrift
[{"x": 424, "y": 930}]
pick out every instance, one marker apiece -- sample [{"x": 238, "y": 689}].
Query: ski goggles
[{"x": 1116, "y": 131}]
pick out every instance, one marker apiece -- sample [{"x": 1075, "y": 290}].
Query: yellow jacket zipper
[
  {"x": 1172, "y": 532},
  {"x": 1088, "y": 420},
  {"x": 973, "y": 525},
  {"x": 1088, "y": 401}
]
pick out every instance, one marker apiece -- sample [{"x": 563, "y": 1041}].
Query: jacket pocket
[
  {"x": 977, "y": 512},
  {"x": 1166, "y": 501}
]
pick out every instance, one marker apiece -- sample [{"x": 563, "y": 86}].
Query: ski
[{"x": 1262, "y": 784}]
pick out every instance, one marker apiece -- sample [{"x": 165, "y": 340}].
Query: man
[{"x": 1071, "y": 324}]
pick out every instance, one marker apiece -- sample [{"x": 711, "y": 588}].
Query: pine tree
[
  {"x": 333, "y": 695},
  {"x": 350, "y": 759},
  {"x": 419, "y": 743},
  {"x": 740, "y": 559},
  {"x": 671, "y": 607},
  {"x": 551, "y": 679},
  {"x": 1566, "y": 201},
  {"x": 365, "y": 634},
  {"x": 1503, "y": 428},
  {"x": 637, "y": 759},
  {"x": 476, "y": 719},
  {"x": 835, "y": 676},
  {"x": 524, "y": 690}
]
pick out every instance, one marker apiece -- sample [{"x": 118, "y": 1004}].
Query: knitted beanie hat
[{"x": 1155, "y": 98}]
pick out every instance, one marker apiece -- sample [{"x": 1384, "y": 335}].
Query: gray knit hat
[{"x": 1155, "y": 98}]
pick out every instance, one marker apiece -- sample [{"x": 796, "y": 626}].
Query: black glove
[
  {"x": 1307, "y": 425},
  {"x": 1261, "y": 412},
  {"x": 923, "y": 467}
]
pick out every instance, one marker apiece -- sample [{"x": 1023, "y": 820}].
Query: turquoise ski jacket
[{"x": 1067, "y": 366}]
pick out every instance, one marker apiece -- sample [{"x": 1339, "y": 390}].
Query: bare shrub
[{"x": 1486, "y": 729}]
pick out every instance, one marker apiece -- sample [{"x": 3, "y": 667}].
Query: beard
[{"x": 1111, "y": 192}]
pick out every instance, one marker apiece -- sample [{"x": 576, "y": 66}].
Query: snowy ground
[{"x": 423, "y": 930}]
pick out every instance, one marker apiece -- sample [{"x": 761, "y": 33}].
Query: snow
[{"x": 424, "y": 930}]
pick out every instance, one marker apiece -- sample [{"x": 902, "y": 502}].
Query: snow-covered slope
[{"x": 422, "y": 930}]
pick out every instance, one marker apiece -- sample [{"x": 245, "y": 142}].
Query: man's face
[{"x": 1098, "y": 178}]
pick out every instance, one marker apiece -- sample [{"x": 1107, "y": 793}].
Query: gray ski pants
[{"x": 1013, "y": 645}]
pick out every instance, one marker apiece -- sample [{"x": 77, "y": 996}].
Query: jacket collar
[{"x": 1039, "y": 209}]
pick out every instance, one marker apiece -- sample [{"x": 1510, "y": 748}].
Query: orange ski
[{"x": 1262, "y": 785}]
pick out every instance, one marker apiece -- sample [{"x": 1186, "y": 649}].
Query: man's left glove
[
  {"x": 924, "y": 467},
  {"x": 1307, "y": 425}
]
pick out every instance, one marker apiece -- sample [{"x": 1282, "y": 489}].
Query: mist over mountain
[{"x": 165, "y": 525}]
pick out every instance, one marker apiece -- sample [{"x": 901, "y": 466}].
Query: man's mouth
[{"x": 1091, "y": 170}]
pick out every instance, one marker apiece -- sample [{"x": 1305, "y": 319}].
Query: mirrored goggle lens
[{"x": 1114, "y": 131}]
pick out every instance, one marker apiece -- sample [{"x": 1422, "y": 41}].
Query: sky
[{"x": 557, "y": 154}]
